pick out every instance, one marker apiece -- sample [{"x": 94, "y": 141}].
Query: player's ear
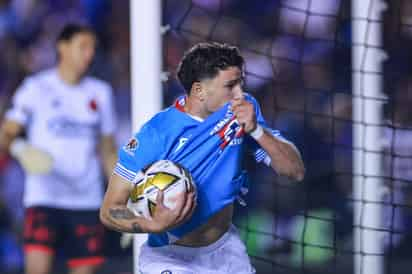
[{"x": 198, "y": 91}]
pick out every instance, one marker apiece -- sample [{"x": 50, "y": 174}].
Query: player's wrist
[
  {"x": 148, "y": 225},
  {"x": 138, "y": 227},
  {"x": 153, "y": 227},
  {"x": 257, "y": 132}
]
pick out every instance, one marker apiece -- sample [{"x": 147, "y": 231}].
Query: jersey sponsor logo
[
  {"x": 131, "y": 146},
  {"x": 220, "y": 125},
  {"x": 56, "y": 103},
  {"x": 67, "y": 127},
  {"x": 166, "y": 272}
]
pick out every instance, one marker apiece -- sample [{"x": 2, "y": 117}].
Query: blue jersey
[{"x": 211, "y": 150}]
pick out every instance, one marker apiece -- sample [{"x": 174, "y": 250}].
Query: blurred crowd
[
  {"x": 298, "y": 65},
  {"x": 398, "y": 129}
]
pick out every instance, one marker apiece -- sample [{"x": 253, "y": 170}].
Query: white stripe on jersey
[
  {"x": 124, "y": 173},
  {"x": 261, "y": 155}
]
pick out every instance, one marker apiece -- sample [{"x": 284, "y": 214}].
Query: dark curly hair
[{"x": 205, "y": 60}]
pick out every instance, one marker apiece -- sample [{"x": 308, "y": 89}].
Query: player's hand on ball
[
  {"x": 32, "y": 159},
  {"x": 245, "y": 114},
  {"x": 164, "y": 218}
]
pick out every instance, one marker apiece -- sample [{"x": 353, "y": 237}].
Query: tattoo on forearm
[{"x": 118, "y": 213}]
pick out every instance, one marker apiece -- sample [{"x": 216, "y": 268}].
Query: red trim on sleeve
[{"x": 85, "y": 261}]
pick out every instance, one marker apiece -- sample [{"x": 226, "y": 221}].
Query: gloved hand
[{"x": 32, "y": 159}]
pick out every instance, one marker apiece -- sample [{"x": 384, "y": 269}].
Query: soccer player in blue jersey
[{"x": 208, "y": 131}]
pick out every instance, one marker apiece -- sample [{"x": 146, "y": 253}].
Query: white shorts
[{"x": 226, "y": 255}]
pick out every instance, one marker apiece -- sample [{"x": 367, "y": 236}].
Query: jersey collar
[{"x": 180, "y": 105}]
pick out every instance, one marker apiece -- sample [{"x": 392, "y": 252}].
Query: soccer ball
[{"x": 165, "y": 175}]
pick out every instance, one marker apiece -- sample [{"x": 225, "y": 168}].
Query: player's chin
[{"x": 83, "y": 68}]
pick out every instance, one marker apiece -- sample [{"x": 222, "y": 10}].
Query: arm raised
[{"x": 285, "y": 158}]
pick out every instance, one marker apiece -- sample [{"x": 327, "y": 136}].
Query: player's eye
[{"x": 231, "y": 85}]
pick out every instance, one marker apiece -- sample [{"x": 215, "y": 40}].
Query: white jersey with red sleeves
[{"x": 66, "y": 121}]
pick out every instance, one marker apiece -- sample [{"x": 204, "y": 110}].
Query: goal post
[
  {"x": 367, "y": 77},
  {"x": 146, "y": 67}
]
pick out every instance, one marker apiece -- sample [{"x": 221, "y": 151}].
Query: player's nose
[{"x": 238, "y": 93}]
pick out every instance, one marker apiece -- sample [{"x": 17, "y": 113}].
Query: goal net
[{"x": 315, "y": 66}]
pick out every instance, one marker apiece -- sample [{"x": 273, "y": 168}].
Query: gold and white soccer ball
[{"x": 165, "y": 175}]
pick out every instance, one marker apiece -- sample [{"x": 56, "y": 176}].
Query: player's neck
[
  {"x": 194, "y": 108},
  {"x": 67, "y": 75}
]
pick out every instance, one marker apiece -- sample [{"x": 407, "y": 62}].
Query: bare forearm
[
  {"x": 121, "y": 219},
  {"x": 109, "y": 161},
  {"x": 285, "y": 158},
  {"x": 109, "y": 155}
]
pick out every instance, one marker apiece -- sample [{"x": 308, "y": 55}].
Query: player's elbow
[
  {"x": 294, "y": 172},
  {"x": 299, "y": 173}
]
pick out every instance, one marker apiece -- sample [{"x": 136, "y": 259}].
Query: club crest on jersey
[
  {"x": 131, "y": 146},
  {"x": 93, "y": 105}
]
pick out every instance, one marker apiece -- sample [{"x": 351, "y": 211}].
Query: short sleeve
[
  {"x": 259, "y": 153},
  {"x": 108, "y": 114},
  {"x": 142, "y": 149},
  {"x": 22, "y": 104}
]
